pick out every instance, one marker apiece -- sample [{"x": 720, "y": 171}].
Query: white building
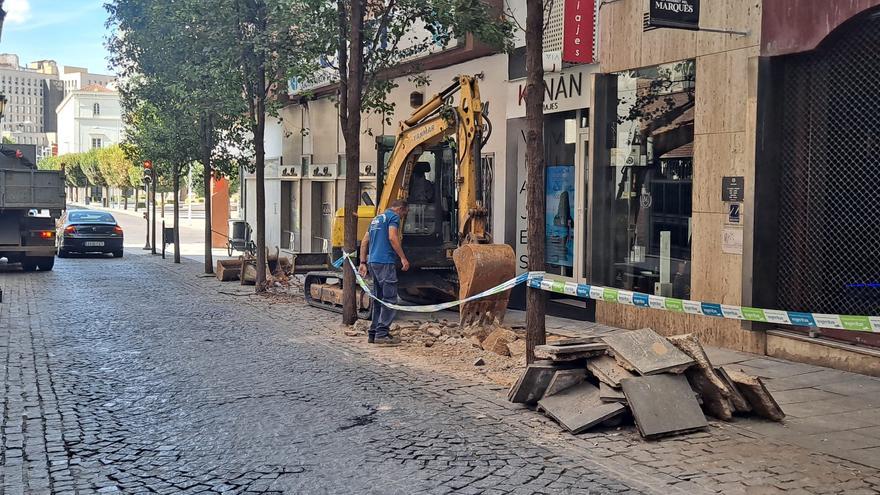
[{"x": 89, "y": 118}]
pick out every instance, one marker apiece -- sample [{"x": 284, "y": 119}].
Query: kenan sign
[
  {"x": 568, "y": 89},
  {"x": 578, "y": 31},
  {"x": 678, "y": 14}
]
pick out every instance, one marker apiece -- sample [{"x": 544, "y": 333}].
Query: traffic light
[{"x": 148, "y": 171}]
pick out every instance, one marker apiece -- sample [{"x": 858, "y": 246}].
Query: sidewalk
[{"x": 828, "y": 411}]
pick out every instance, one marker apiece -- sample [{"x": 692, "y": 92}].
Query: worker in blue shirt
[{"x": 381, "y": 248}]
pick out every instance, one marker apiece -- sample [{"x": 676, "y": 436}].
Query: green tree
[{"x": 176, "y": 55}]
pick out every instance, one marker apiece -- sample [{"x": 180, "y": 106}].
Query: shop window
[
  {"x": 648, "y": 189},
  {"x": 560, "y": 145}
]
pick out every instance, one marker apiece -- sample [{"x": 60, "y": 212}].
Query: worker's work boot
[
  {"x": 387, "y": 341},
  {"x": 371, "y": 339}
]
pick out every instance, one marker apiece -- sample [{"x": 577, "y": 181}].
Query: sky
[{"x": 70, "y": 32}]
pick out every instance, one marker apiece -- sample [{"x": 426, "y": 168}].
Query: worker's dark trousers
[{"x": 384, "y": 288}]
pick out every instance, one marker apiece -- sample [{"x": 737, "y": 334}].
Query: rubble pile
[
  {"x": 666, "y": 385},
  {"x": 494, "y": 338}
]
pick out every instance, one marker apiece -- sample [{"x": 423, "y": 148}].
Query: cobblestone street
[{"x": 138, "y": 376}]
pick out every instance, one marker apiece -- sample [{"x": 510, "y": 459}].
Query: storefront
[{"x": 567, "y": 157}]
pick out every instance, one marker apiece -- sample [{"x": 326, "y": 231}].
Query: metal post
[
  {"x": 153, "y": 196},
  {"x": 147, "y": 215},
  {"x": 163, "y": 239}
]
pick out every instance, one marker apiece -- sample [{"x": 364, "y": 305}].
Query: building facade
[
  {"x": 76, "y": 78},
  {"x": 27, "y": 90},
  {"x": 735, "y": 168},
  {"x": 89, "y": 118}
]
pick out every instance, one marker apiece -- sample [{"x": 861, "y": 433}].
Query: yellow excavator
[{"x": 434, "y": 164}]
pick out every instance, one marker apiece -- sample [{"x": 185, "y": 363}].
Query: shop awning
[{"x": 686, "y": 151}]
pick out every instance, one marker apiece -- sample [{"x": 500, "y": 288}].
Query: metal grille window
[{"x": 829, "y": 217}]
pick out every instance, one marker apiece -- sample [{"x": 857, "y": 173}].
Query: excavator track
[{"x": 324, "y": 290}]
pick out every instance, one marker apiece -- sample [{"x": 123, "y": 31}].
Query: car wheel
[
  {"x": 117, "y": 254},
  {"x": 29, "y": 264}
]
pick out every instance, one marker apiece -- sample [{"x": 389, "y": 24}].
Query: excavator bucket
[{"x": 481, "y": 267}]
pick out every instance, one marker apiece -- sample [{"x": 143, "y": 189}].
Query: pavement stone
[{"x": 136, "y": 375}]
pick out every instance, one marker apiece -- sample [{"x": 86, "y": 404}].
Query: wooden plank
[
  {"x": 564, "y": 379},
  {"x": 610, "y": 394},
  {"x": 579, "y": 408},
  {"x": 228, "y": 270},
  {"x": 663, "y": 405},
  {"x": 647, "y": 353},
  {"x": 606, "y": 369},
  {"x": 569, "y": 352}
]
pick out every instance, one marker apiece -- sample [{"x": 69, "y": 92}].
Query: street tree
[
  {"x": 180, "y": 52},
  {"x": 536, "y": 299}
]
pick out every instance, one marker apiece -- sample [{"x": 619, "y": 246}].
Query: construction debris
[
  {"x": 532, "y": 384},
  {"x": 714, "y": 392},
  {"x": 573, "y": 352},
  {"x": 663, "y": 404},
  {"x": 610, "y": 394},
  {"x": 497, "y": 341},
  {"x": 646, "y": 352},
  {"x": 676, "y": 378},
  {"x": 579, "y": 408},
  {"x": 607, "y": 370},
  {"x": 753, "y": 389},
  {"x": 564, "y": 379},
  {"x": 480, "y": 362}
]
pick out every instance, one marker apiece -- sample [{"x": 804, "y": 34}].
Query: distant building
[
  {"x": 75, "y": 78},
  {"x": 89, "y": 118}
]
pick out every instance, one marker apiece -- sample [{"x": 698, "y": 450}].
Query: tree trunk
[
  {"x": 176, "y": 214},
  {"x": 207, "y": 131},
  {"x": 125, "y": 198},
  {"x": 260, "y": 146},
  {"x": 137, "y": 191},
  {"x": 352, "y": 134},
  {"x": 536, "y": 300}
]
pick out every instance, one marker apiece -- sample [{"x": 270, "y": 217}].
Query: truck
[{"x": 31, "y": 202}]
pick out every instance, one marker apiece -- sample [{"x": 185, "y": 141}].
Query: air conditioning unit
[
  {"x": 368, "y": 170},
  {"x": 323, "y": 171}
]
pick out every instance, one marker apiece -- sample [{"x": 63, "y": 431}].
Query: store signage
[
  {"x": 566, "y": 90},
  {"x": 552, "y": 61},
  {"x": 294, "y": 171},
  {"x": 323, "y": 171},
  {"x": 578, "y": 31},
  {"x": 734, "y": 213},
  {"x": 733, "y": 189},
  {"x": 368, "y": 170},
  {"x": 676, "y": 14}
]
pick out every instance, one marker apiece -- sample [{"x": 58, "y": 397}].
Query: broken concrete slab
[
  {"x": 579, "y": 408},
  {"x": 497, "y": 341},
  {"x": 606, "y": 369},
  {"x": 756, "y": 394},
  {"x": 532, "y": 383},
  {"x": 715, "y": 393},
  {"x": 610, "y": 394},
  {"x": 517, "y": 349},
  {"x": 740, "y": 404},
  {"x": 556, "y": 352},
  {"x": 564, "y": 379},
  {"x": 663, "y": 404},
  {"x": 647, "y": 353}
]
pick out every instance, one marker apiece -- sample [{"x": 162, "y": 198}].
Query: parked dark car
[{"x": 89, "y": 231}]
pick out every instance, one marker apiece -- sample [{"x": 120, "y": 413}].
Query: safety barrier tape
[
  {"x": 638, "y": 299},
  {"x": 433, "y": 308},
  {"x": 539, "y": 280}
]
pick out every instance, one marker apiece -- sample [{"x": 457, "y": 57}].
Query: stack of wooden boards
[{"x": 665, "y": 383}]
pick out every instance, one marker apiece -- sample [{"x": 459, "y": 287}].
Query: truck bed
[{"x": 24, "y": 188}]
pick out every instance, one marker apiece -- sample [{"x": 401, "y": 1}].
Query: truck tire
[{"x": 44, "y": 263}]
